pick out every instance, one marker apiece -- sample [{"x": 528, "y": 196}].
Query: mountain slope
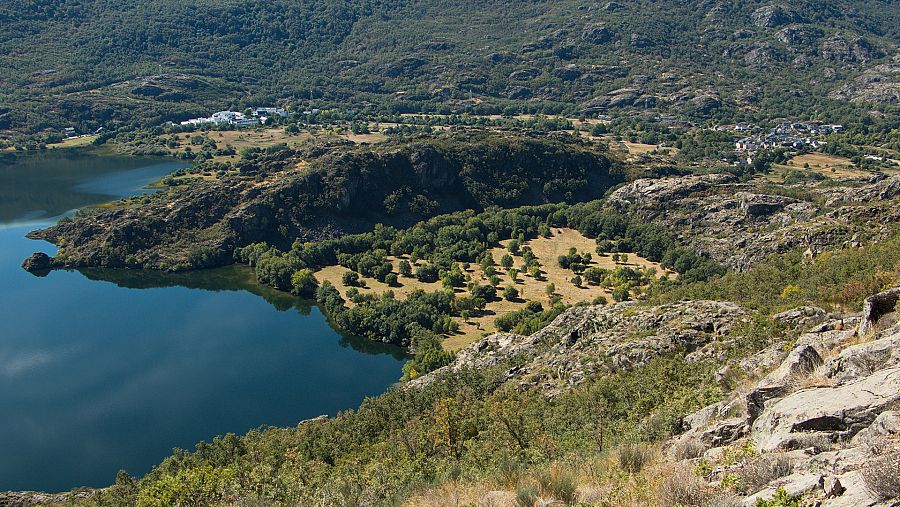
[{"x": 106, "y": 63}]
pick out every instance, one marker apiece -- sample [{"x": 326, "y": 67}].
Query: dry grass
[
  {"x": 633, "y": 457},
  {"x": 681, "y": 486},
  {"x": 547, "y": 250},
  {"x": 882, "y": 475},
  {"x": 689, "y": 449},
  {"x": 761, "y": 470},
  {"x": 829, "y": 165},
  {"x": 75, "y": 142}
]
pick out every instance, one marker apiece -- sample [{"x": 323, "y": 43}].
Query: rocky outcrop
[
  {"x": 587, "y": 341},
  {"x": 31, "y": 499},
  {"x": 879, "y": 311},
  {"x": 829, "y": 413},
  {"x": 38, "y": 261},
  {"x": 772, "y": 16},
  {"x": 739, "y": 225},
  {"x": 320, "y": 193},
  {"x": 802, "y": 361},
  {"x": 833, "y": 422},
  {"x": 848, "y": 49},
  {"x": 798, "y": 37},
  {"x": 596, "y": 34},
  {"x": 879, "y": 84}
]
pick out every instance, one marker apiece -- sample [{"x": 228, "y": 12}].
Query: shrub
[
  {"x": 683, "y": 487},
  {"x": 689, "y": 449},
  {"x": 781, "y": 499},
  {"x": 526, "y": 496},
  {"x": 304, "y": 282},
  {"x": 557, "y": 485},
  {"x": 762, "y": 470},
  {"x": 633, "y": 457},
  {"x": 882, "y": 477}
]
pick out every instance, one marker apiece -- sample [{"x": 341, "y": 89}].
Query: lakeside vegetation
[
  {"x": 462, "y": 429},
  {"x": 449, "y": 246}
]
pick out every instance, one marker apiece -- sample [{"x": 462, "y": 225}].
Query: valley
[{"x": 415, "y": 253}]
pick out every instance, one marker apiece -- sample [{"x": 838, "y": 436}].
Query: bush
[
  {"x": 689, "y": 449},
  {"x": 762, "y": 470},
  {"x": 882, "y": 476},
  {"x": 633, "y": 457},
  {"x": 427, "y": 273},
  {"x": 683, "y": 487},
  {"x": 304, "y": 282},
  {"x": 557, "y": 485}
]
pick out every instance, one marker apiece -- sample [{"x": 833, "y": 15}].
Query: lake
[{"x": 102, "y": 370}]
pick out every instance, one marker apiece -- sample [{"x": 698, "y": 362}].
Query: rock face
[
  {"x": 830, "y": 420},
  {"x": 880, "y": 306},
  {"x": 39, "y": 261},
  {"x": 772, "y": 16},
  {"x": 836, "y": 413},
  {"x": 879, "y": 84},
  {"x": 596, "y": 34},
  {"x": 587, "y": 341},
  {"x": 847, "y": 49},
  {"x": 319, "y": 193},
  {"x": 740, "y": 226}
]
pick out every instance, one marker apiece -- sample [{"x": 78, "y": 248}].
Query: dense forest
[{"x": 93, "y": 63}]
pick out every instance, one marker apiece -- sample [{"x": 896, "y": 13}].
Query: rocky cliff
[
  {"x": 816, "y": 416},
  {"x": 287, "y": 196},
  {"x": 740, "y": 224}
]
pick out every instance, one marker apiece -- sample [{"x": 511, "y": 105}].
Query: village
[
  {"x": 253, "y": 116},
  {"x": 794, "y": 135}
]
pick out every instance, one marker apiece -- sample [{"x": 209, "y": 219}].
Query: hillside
[
  {"x": 92, "y": 63},
  {"x": 281, "y": 195}
]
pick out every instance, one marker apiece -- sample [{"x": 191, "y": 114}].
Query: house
[
  {"x": 746, "y": 144},
  {"x": 270, "y": 111}
]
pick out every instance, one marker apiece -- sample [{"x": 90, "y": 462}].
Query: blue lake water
[{"x": 102, "y": 370}]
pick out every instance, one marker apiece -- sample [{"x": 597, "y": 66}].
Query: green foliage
[
  {"x": 429, "y": 356},
  {"x": 781, "y": 499},
  {"x": 304, "y": 283},
  {"x": 459, "y": 424},
  {"x": 845, "y": 278},
  {"x": 528, "y": 320},
  {"x": 169, "y": 60}
]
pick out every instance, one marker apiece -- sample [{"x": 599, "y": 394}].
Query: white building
[
  {"x": 224, "y": 118},
  {"x": 270, "y": 111}
]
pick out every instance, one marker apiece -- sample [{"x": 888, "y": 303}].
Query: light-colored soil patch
[
  {"x": 830, "y": 165},
  {"x": 547, "y": 251},
  {"x": 74, "y": 142}
]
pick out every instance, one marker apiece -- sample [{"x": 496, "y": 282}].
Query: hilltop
[{"x": 94, "y": 63}]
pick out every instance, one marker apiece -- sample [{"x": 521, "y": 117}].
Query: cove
[{"x": 102, "y": 370}]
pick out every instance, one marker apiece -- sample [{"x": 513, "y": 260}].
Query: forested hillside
[{"x": 93, "y": 63}]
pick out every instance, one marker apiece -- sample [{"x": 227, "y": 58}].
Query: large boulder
[
  {"x": 832, "y": 413},
  {"x": 800, "y": 362},
  {"x": 757, "y": 205},
  {"x": 878, "y": 306},
  {"x": 863, "y": 359},
  {"x": 596, "y": 34},
  {"x": 39, "y": 261},
  {"x": 802, "y": 316}
]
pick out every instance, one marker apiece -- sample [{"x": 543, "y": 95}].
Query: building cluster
[
  {"x": 257, "y": 116},
  {"x": 792, "y": 135}
]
